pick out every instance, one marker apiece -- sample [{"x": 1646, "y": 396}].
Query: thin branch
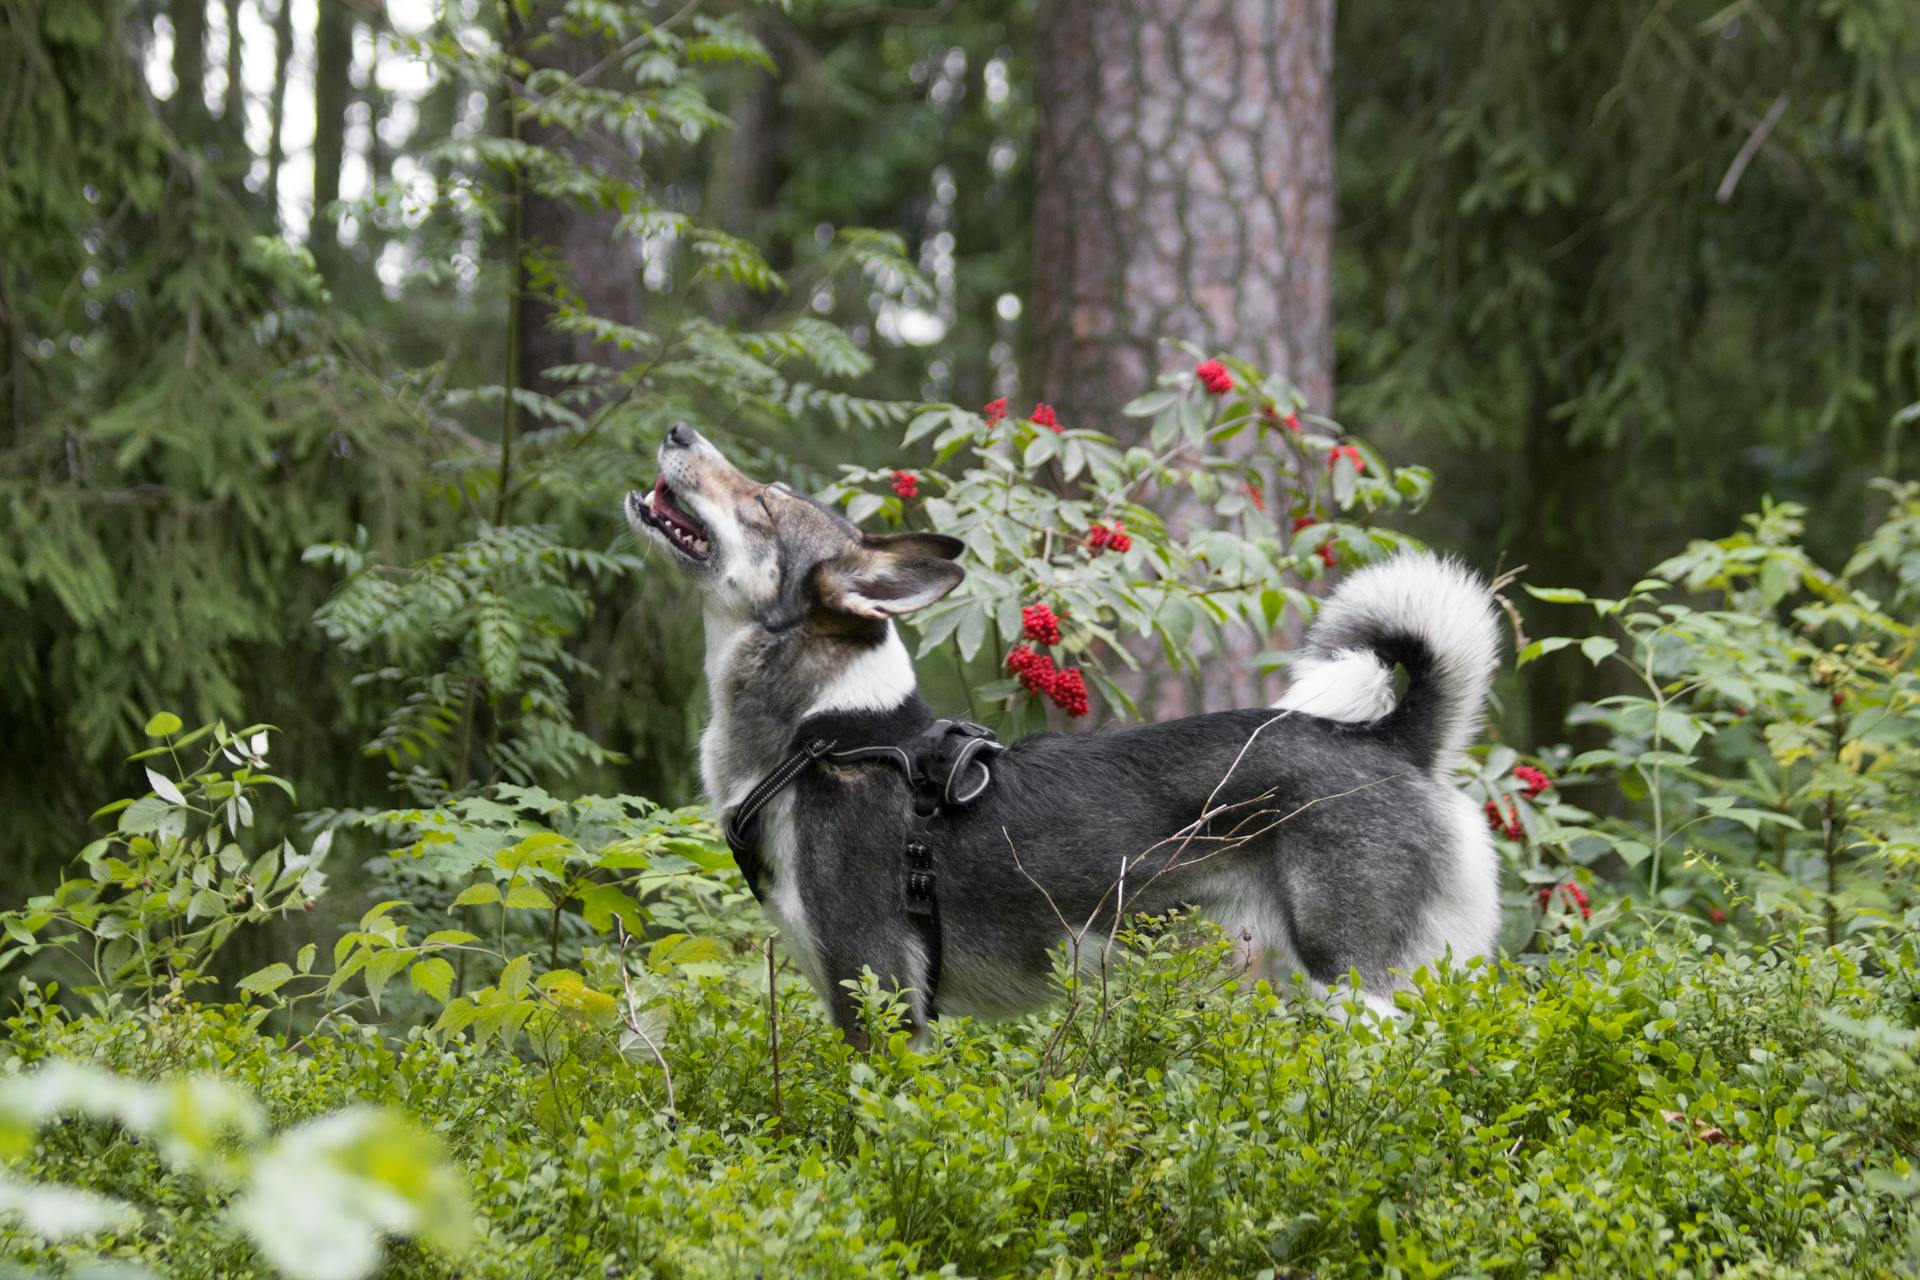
[
  {"x": 630, "y": 1015},
  {"x": 1749, "y": 149}
]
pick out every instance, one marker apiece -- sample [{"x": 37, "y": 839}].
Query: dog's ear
[
  {"x": 881, "y": 584},
  {"x": 915, "y": 543}
]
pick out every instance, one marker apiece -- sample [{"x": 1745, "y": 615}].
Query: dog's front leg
[{"x": 895, "y": 961}]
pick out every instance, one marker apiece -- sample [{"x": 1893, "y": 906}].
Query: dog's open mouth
[{"x": 684, "y": 533}]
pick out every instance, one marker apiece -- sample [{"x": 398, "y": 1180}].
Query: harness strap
[
  {"x": 923, "y": 903},
  {"x": 745, "y": 815},
  {"x": 946, "y": 766}
]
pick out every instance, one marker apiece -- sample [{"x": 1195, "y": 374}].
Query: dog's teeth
[{"x": 700, "y": 545}]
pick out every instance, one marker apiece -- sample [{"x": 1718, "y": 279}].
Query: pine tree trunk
[
  {"x": 277, "y": 106},
  {"x": 1183, "y": 189},
  {"x": 188, "y": 110},
  {"x": 332, "y": 92},
  {"x": 235, "y": 105},
  {"x": 600, "y": 264}
]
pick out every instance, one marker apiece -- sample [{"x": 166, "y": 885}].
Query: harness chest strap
[{"x": 939, "y": 768}]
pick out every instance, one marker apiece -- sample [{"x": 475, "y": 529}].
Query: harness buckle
[{"x": 920, "y": 878}]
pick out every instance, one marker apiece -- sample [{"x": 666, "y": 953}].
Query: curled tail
[{"x": 1432, "y": 616}]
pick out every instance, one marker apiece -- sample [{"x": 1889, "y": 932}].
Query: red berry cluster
[
  {"x": 1214, "y": 377},
  {"x": 906, "y": 484},
  {"x": 995, "y": 411},
  {"x": 1348, "y": 452},
  {"x": 1065, "y": 685},
  {"x": 1039, "y": 624},
  {"x": 1328, "y": 556},
  {"x": 1531, "y": 778},
  {"x": 1044, "y": 416},
  {"x": 1255, "y": 496},
  {"x": 1569, "y": 893},
  {"x": 1117, "y": 539},
  {"x": 1505, "y": 819},
  {"x": 1291, "y": 422}
]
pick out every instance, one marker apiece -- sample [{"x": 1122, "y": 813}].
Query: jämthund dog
[{"x": 1324, "y": 834}]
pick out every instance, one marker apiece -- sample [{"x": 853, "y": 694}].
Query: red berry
[
  {"x": 906, "y": 484},
  {"x": 1069, "y": 691},
  {"x": 995, "y": 410},
  {"x": 1569, "y": 893},
  {"x": 1328, "y": 556},
  {"x": 1292, "y": 421},
  {"x": 1040, "y": 624},
  {"x": 1534, "y": 780},
  {"x": 1097, "y": 538},
  {"x": 1044, "y": 416},
  {"x": 1214, "y": 377},
  {"x": 1035, "y": 670},
  {"x": 1839, "y": 698},
  {"x": 1504, "y": 819},
  {"x": 1717, "y": 914},
  {"x": 1120, "y": 540},
  {"x": 1256, "y": 497},
  {"x": 1348, "y": 452},
  {"x": 1301, "y": 522}
]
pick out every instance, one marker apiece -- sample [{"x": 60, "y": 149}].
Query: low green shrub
[{"x": 1671, "y": 1107}]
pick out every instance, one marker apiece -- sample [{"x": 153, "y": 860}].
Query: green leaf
[
  {"x": 381, "y": 968},
  {"x": 433, "y": 976},
  {"x": 164, "y": 787},
  {"x": 1599, "y": 648},
  {"x": 528, "y": 897},
  {"x": 206, "y": 902},
  {"x": 266, "y": 981},
  {"x": 1557, "y": 595},
  {"x": 478, "y": 895},
  {"x": 1540, "y": 648},
  {"x": 163, "y": 725}
]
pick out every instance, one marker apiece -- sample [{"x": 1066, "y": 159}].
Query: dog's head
[{"x": 764, "y": 554}]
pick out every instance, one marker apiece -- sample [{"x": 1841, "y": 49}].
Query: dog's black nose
[{"x": 682, "y": 436}]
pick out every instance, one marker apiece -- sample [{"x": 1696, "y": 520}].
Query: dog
[{"x": 1323, "y": 833}]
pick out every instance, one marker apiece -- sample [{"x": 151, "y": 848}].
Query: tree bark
[
  {"x": 599, "y": 266},
  {"x": 1183, "y": 182},
  {"x": 332, "y": 92},
  {"x": 236, "y": 98},
  {"x": 188, "y": 109},
  {"x": 1184, "y": 188},
  {"x": 277, "y": 106}
]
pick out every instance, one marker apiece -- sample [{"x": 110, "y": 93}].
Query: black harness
[{"x": 945, "y": 766}]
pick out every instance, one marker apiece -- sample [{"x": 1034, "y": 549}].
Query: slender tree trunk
[
  {"x": 277, "y": 106},
  {"x": 332, "y": 91},
  {"x": 1184, "y": 189},
  {"x": 188, "y": 110},
  {"x": 599, "y": 265},
  {"x": 234, "y": 108}
]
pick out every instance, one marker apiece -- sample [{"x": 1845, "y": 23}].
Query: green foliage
[
  {"x": 1767, "y": 756},
  {"x": 314, "y": 1201},
  {"x": 1668, "y": 1107},
  {"x": 1025, "y": 496},
  {"x": 181, "y": 871}
]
